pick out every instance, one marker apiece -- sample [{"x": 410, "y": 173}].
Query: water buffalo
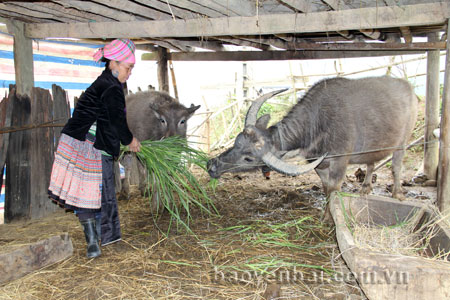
[
  {"x": 351, "y": 121},
  {"x": 152, "y": 115}
]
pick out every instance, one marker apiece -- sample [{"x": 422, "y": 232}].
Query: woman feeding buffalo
[{"x": 82, "y": 178}]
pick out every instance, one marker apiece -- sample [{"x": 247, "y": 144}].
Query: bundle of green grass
[{"x": 168, "y": 164}]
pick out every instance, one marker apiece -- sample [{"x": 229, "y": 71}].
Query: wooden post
[
  {"x": 431, "y": 153},
  {"x": 23, "y": 58},
  {"x": 443, "y": 186},
  {"x": 163, "y": 74},
  {"x": 174, "y": 80}
]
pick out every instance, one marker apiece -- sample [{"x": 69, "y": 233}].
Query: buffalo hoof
[
  {"x": 327, "y": 218},
  {"x": 123, "y": 196},
  {"x": 366, "y": 189},
  {"x": 399, "y": 196}
]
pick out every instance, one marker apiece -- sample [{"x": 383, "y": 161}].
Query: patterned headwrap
[{"x": 118, "y": 50}]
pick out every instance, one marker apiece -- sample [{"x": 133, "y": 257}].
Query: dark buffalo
[
  {"x": 351, "y": 121},
  {"x": 152, "y": 115}
]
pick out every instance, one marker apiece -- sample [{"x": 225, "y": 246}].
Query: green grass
[{"x": 171, "y": 181}]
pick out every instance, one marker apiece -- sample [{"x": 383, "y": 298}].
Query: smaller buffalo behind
[
  {"x": 337, "y": 122},
  {"x": 151, "y": 115}
]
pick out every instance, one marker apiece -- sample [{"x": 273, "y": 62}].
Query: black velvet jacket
[{"x": 104, "y": 102}]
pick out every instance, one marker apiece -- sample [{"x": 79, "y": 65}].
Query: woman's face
[{"x": 121, "y": 70}]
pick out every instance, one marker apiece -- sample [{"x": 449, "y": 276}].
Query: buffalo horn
[
  {"x": 289, "y": 169},
  {"x": 252, "y": 112}
]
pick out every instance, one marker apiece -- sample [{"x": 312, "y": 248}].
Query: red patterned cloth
[
  {"x": 118, "y": 50},
  {"x": 77, "y": 173}
]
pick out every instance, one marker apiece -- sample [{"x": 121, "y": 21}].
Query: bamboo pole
[
  {"x": 431, "y": 149},
  {"x": 443, "y": 185},
  {"x": 174, "y": 81}
]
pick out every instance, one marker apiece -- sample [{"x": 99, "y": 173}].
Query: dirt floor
[{"x": 267, "y": 242}]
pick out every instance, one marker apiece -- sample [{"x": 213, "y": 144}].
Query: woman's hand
[{"x": 135, "y": 145}]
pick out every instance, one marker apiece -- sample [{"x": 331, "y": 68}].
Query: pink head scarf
[{"x": 118, "y": 50}]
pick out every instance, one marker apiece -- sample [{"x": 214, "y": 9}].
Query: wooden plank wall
[
  {"x": 41, "y": 153},
  {"x": 61, "y": 110},
  {"x": 18, "y": 172},
  {"x": 30, "y": 153},
  {"x": 5, "y": 121}
]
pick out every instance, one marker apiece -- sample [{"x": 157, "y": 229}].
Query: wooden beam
[
  {"x": 56, "y": 12},
  {"x": 69, "y": 11},
  {"x": 170, "y": 44},
  {"x": 299, "y": 5},
  {"x": 431, "y": 147},
  {"x": 349, "y": 19},
  {"x": 26, "y": 10},
  {"x": 25, "y": 259},
  {"x": 135, "y": 9},
  {"x": 244, "y": 42},
  {"x": 23, "y": 58},
  {"x": 443, "y": 185},
  {"x": 273, "y": 55},
  {"x": 192, "y": 6},
  {"x": 168, "y": 8},
  {"x": 275, "y": 42},
  {"x": 366, "y": 46},
  {"x": 230, "y": 7},
  {"x": 339, "y": 5},
  {"x": 163, "y": 74},
  {"x": 406, "y": 33},
  {"x": 97, "y": 9}
]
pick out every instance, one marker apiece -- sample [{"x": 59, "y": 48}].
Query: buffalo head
[
  {"x": 254, "y": 148},
  {"x": 171, "y": 118}
]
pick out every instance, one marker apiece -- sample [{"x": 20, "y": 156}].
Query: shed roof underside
[{"x": 298, "y": 27}]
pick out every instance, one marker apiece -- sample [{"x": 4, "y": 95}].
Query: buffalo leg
[
  {"x": 336, "y": 175},
  {"x": 127, "y": 165},
  {"x": 323, "y": 174},
  {"x": 397, "y": 158},
  {"x": 332, "y": 178},
  {"x": 367, "y": 184},
  {"x": 143, "y": 178}
]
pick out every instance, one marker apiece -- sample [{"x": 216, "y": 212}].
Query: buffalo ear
[
  {"x": 191, "y": 110},
  {"x": 262, "y": 122}
]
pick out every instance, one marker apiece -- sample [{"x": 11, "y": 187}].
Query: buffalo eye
[
  {"x": 182, "y": 122},
  {"x": 162, "y": 121},
  {"x": 248, "y": 159}
]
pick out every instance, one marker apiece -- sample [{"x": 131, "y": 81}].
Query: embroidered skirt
[{"x": 76, "y": 177}]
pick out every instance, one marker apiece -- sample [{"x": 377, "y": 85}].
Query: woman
[{"x": 82, "y": 177}]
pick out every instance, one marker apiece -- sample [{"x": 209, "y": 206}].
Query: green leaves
[{"x": 170, "y": 182}]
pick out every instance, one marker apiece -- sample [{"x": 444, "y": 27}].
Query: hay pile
[
  {"x": 266, "y": 231},
  {"x": 409, "y": 237}
]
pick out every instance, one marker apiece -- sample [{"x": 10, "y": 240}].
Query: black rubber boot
[{"x": 93, "y": 249}]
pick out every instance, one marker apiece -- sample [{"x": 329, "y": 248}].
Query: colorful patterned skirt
[{"x": 76, "y": 178}]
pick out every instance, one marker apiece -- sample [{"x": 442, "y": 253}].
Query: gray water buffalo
[
  {"x": 152, "y": 115},
  {"x": 337, "y": 122}
]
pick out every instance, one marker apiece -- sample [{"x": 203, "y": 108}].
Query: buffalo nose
[{"x": 211, "y": 166}]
